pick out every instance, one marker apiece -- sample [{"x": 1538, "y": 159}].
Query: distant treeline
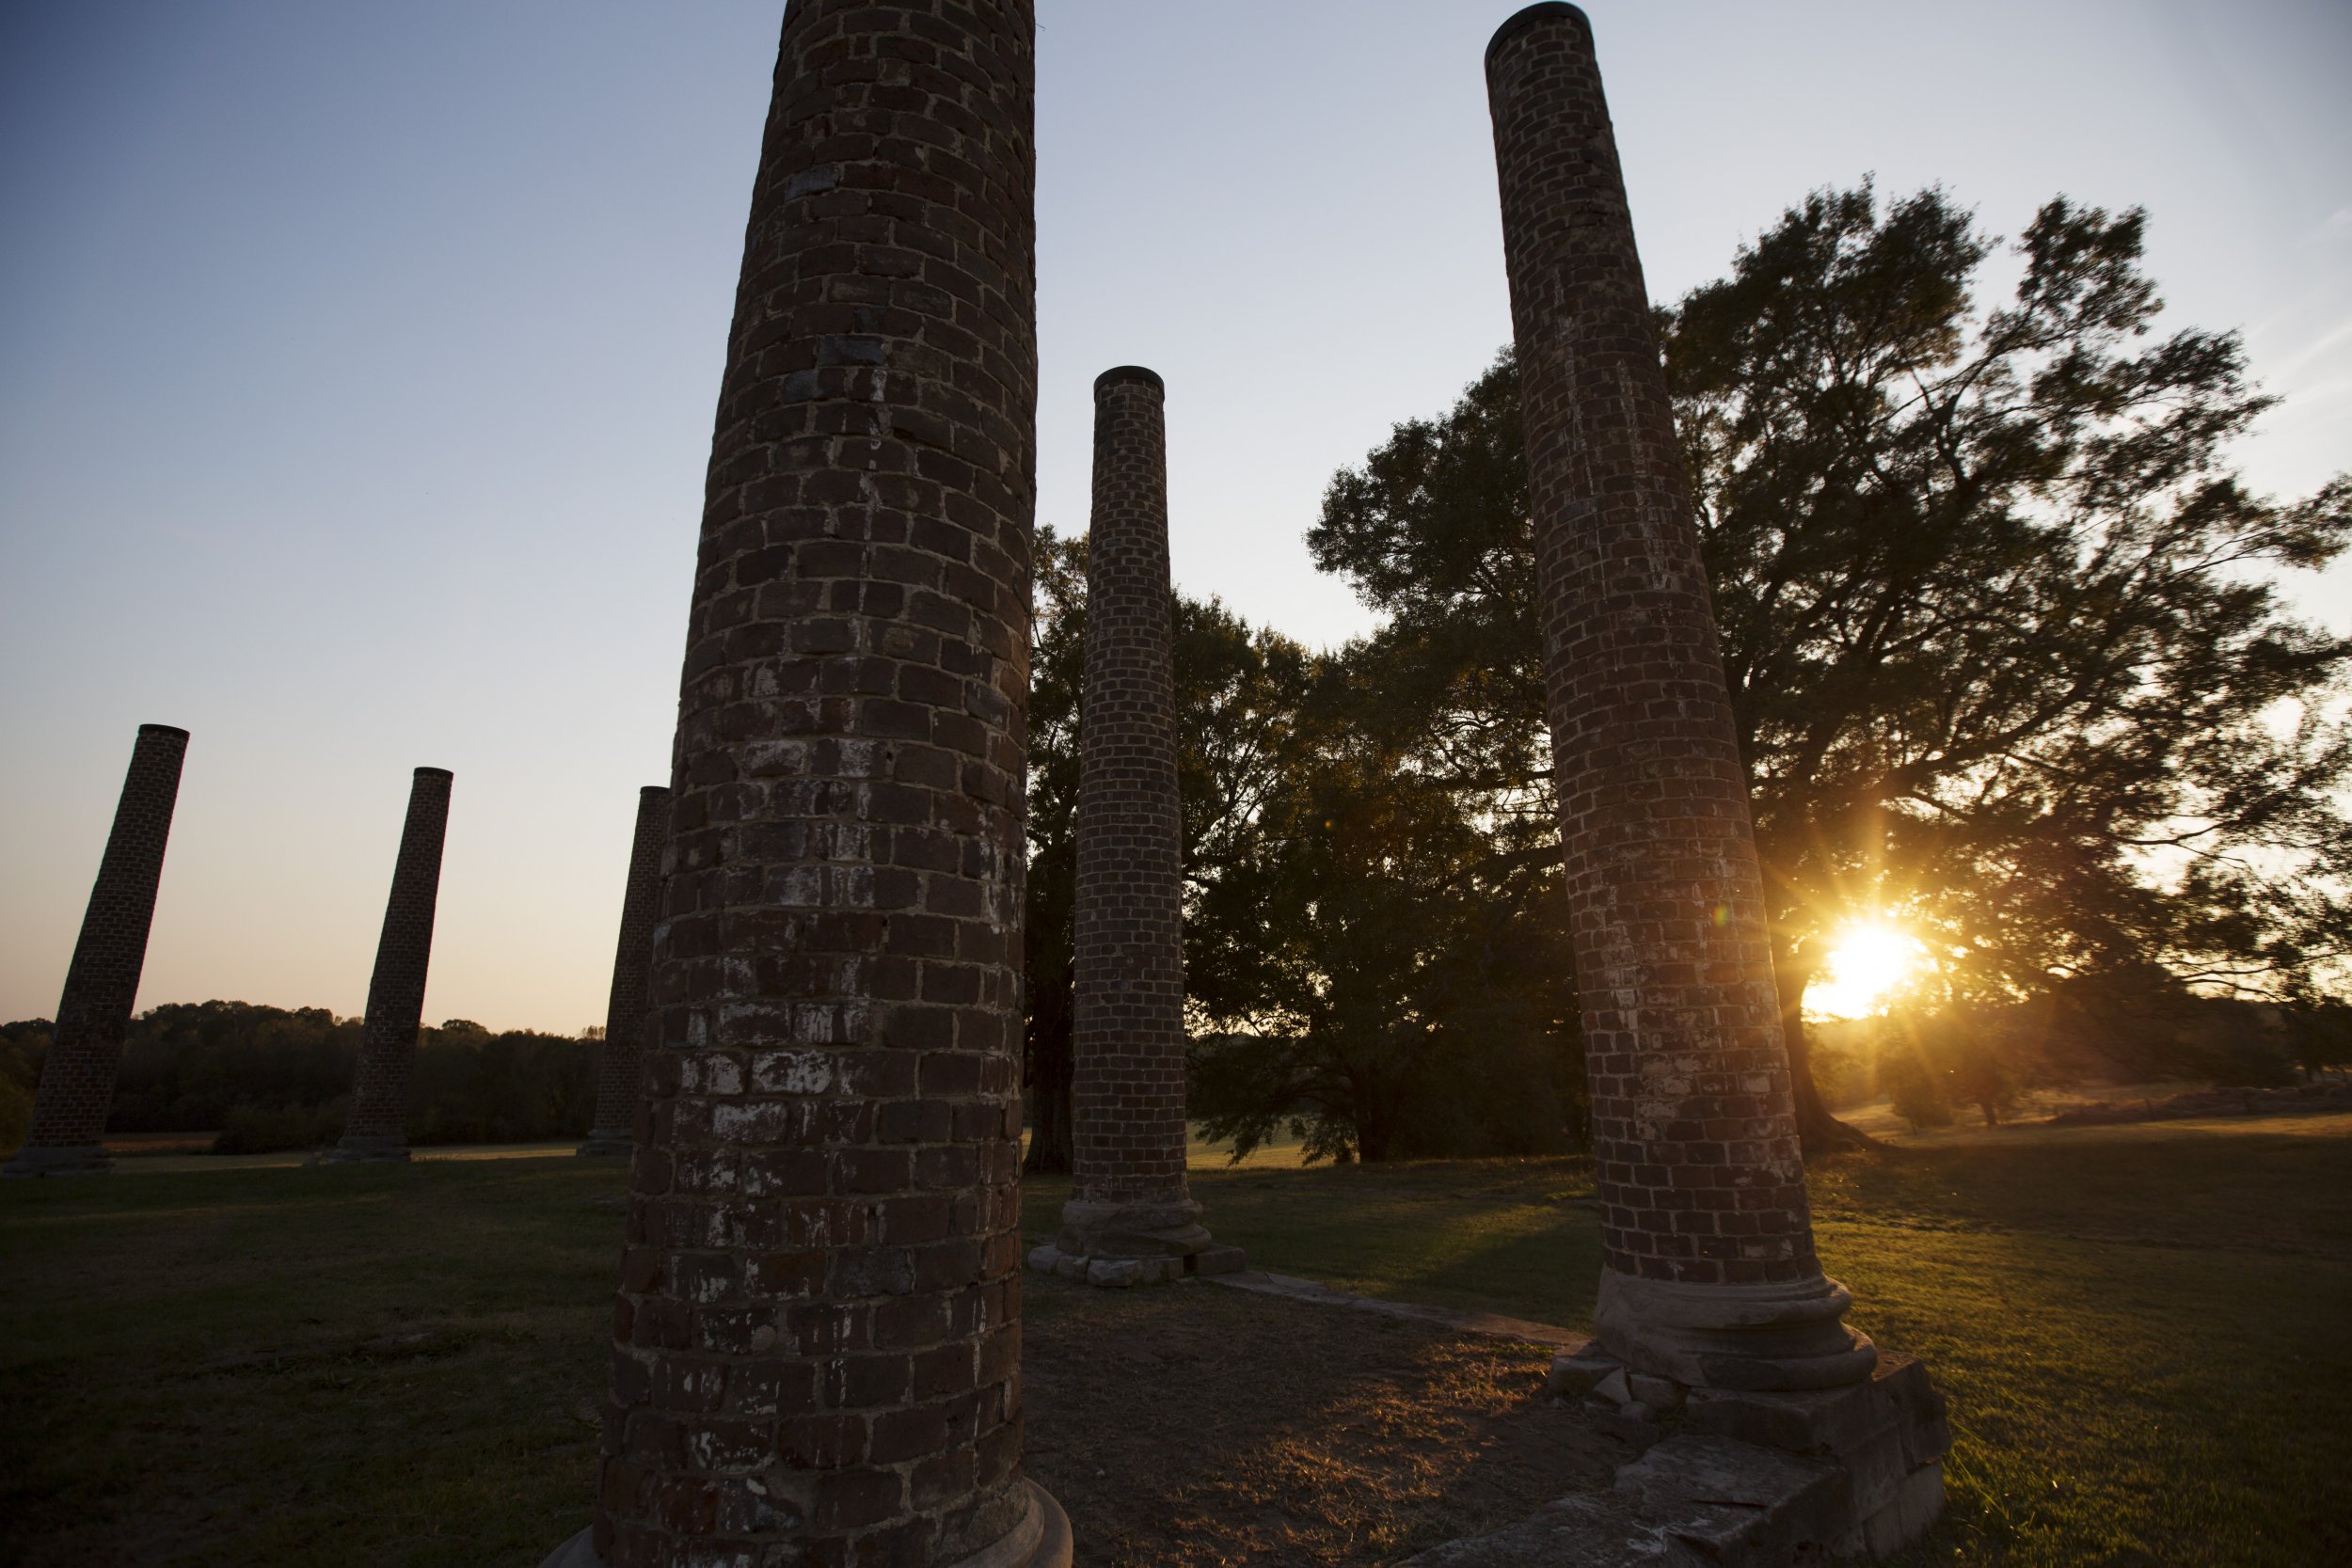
[
  {"x": 266, "y": 1078},
  {"x": 1933, "y": 1062}
]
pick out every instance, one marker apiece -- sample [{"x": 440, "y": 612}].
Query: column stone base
[
  {"x": 1118, "y": 1244},
  {"x": 1040, "y": 1540},
  {"x": 1768, "y": 1476},
  {"x": 1761, "y": 1337},
  {"x": 604, "y": 1144},
  {"x": 1120, "y": 1273},
  {"x": 84, "y": 1160},
  {"x": 361, "y": 1152}
]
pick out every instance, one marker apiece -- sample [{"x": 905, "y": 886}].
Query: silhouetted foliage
[
  {"x": 1365, "y": 964},
  {"x": 23, "y": 1044},
  {"x": 270, "y": 1078},
  {"x": 2319, "y": 1034},
  {"x": 1408, "y": 993},
  {"x": 187, "y": 1065},
  {"x": 1236, "y": 692},
  {"x": 1056, "y": 676}
]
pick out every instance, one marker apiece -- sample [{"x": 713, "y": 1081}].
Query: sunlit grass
[
  {"x": 1509, "y": 1236},
  {"x": 2139, "y": 1326}
]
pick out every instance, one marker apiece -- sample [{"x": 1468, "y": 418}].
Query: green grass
[
  {"x": 345, "y": 1365},
  {"x": 1505, "y": 1236},
  {"x": 2141, "y": 1330}
]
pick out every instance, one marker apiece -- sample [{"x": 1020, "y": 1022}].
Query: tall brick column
[
  {"x": 1708, "y": 1271},
  {"x": 1131, "y": 1218},
  {"x": 817, "y": 1341},
  {"x": 613, "y": 1131},
  {"x": 376, "y": 1128},
  {"x": 77, "y": 1077}
]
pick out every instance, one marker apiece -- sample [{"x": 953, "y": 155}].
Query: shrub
[{"x": 1918, "y": 1098}]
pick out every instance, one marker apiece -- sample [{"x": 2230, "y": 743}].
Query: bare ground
[{"x": 1190, "y": 1425}]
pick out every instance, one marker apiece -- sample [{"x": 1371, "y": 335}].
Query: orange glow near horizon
[{"x": 1868, "y": 961}]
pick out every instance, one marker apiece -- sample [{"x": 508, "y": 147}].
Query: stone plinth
[
  {"x": 612, "y": 1133},
  {"x": 102, "y": 983},
  {"x": 1131, "y": 1218},
  {"x": 1709, "y": 1278},
  {"x": 816, "y": 1339},
  {"x": 1772, "y": 1477},
  {"x": 377, "y": 1126}
]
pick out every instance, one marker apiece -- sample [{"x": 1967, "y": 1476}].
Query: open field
[{"x": 2141, "y": 1329}]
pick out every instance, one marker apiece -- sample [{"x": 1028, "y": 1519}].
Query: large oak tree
[{"x": 2003, "y": 627}]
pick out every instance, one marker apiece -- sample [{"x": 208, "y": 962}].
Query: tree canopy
[{"x": 2003, "y": 627}]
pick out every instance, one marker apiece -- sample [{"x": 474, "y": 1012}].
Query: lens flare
[{"x": 1868, "y": 961}]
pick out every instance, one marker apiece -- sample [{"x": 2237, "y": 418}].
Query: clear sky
[{"x": 357, "y": 365}]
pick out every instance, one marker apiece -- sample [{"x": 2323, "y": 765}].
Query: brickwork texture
[
  {"x": 817, "y": 1340},
  {"x": 1694, "y": 1130},
  {"x": 618, "y": 1060},
  {"x": 1127, "y": 1108},
  {"x": 377, "y": 1127},
  {"x": 77, "y": 1078}
]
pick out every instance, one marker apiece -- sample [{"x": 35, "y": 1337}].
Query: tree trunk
[
  {"x": 1371, "y": 1118},
  {"x": 1817, "y": 1132},
  {"x": 1048, "y": 1079}
]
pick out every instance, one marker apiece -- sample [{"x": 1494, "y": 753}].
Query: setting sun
[{"x": 1869, "y": 962}]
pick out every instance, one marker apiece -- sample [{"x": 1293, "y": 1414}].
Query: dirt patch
[{"x": 1192, "y": 1425}]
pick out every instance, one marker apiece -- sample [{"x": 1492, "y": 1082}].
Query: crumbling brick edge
[{"x": 1749, "y": 1481}]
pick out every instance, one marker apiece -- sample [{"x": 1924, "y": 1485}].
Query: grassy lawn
[
  {"x": 335, "y": 1366},
  {"x": 2143, "y": 1330}
]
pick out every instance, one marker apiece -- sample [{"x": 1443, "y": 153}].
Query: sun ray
[{"x": 1869, "y": 960}]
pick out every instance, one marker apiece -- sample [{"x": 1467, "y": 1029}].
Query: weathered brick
[
  {"x": 377, "y": 1128},
  {"x": 1129, "y": 1196},
  {"x": 835, "y": 991},
  {"x": 102, "y": 982},
  {"x": 1689, "y": 1079},
  {"x": 617, "y": 1058}
]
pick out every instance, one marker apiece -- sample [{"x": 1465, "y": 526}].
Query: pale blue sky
[{"x": 357, "y": 365}]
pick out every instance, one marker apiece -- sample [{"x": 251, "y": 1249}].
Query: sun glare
[{"x": 1868, "y": 963}]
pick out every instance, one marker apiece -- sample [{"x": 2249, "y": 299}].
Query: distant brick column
[
  {"x": 612, "y": 1133},
  {"x": 1131, "y": 1218},
  {"x": 377, "y": 1126},
  {"x": 77, "y": 1077},
  {"x": 1709, "y": 1270},
  {"x": 817, "y": 1341}
]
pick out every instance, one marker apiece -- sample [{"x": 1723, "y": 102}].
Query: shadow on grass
[
  {"x": 1511, "y": 1236},
  {"x": 353, "y": 1364},
  {"x": 1190, "y": 1425}
]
